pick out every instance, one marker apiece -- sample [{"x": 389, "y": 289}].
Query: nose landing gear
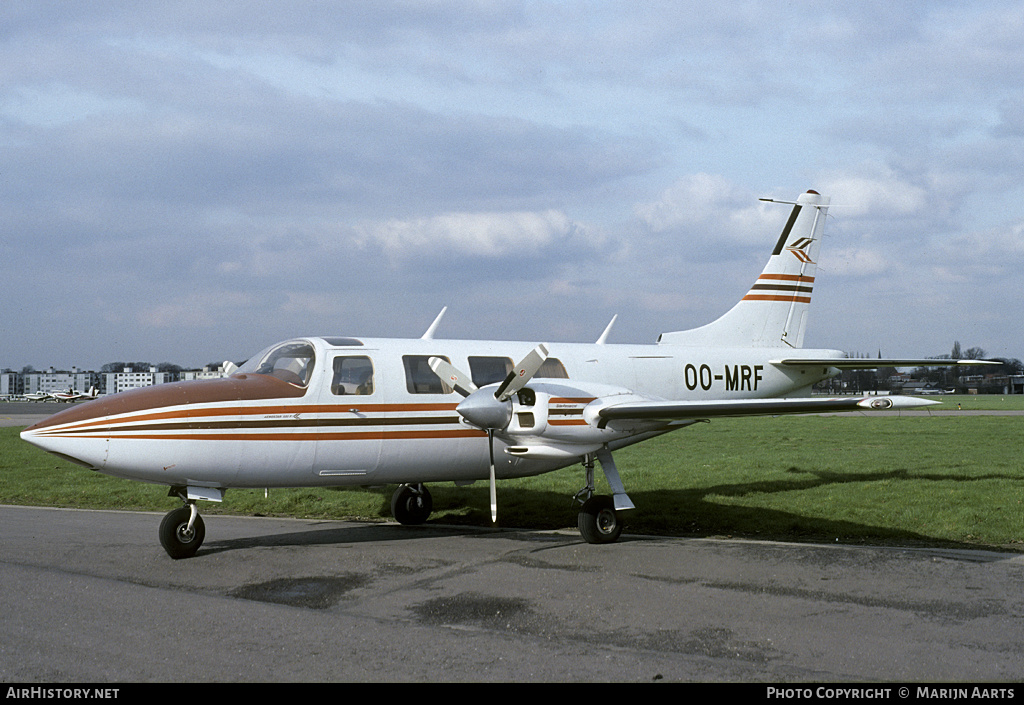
[{"x": 182, "y": 531}]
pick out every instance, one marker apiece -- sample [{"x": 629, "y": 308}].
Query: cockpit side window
[
  {"x": 352, "y": 375},
  {"x": 420, "y": 379},
  {"x": 291, "y": 362}
]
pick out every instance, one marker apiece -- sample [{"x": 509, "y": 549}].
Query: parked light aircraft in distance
[
  {"x": 72, "y": 395},
  {"x": 330, "y": 411},
  {"x": 37, "y": 396}
]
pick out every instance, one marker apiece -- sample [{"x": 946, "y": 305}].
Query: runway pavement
[{"x": 89, "y": 596}]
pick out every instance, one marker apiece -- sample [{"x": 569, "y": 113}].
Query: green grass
[
  {"x": 949, "y": 480},
  {"x": 981, "y": 402}
]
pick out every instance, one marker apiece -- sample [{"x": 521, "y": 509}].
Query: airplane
[
  {"x": 37, "y": 396},
  {"x": 73, "y": 396},
  {"x": 337, "y": 410}
]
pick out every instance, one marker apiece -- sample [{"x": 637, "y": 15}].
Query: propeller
[
  {"x": 486, "y": 410},
  {"x": 452, "y": 376},
  {"x": 522, "y": 373}
]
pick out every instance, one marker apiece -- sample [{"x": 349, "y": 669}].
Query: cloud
[
  {"x": 356, "y": 166},
  {"x": 874, "y": 191},
  {"x": 468, "y": 234},
  {"x": 709, "y": 208}
]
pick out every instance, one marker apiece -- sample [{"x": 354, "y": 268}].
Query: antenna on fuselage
[
  {"x": 607, "y": 330},
  {"x": 429, "y": 335}
]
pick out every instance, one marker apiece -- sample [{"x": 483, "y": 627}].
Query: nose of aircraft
[{"x": 81, "y": 432}]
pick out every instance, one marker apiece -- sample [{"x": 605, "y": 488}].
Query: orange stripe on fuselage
[
  {"x": 304, "y": 436},
  {"x": 190, "y": 412}
]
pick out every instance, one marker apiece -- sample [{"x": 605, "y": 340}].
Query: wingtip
[{"x": 895, "y": 402}]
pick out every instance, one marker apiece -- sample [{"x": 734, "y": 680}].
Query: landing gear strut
[
  {"x": 598, "y": 520},
  {"x": 411, "y": 504},
  {"x": 182, "y": 531}
]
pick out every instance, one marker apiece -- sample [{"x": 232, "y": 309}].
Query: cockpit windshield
[{"x": 291, "y": 362}]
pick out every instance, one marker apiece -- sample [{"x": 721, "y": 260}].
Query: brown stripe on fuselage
[
  {"x": 133, "y": 424},
  {"x": 306, "y": 436},
  {"x": 234, "y": 388}
]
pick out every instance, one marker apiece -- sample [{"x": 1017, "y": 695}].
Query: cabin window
[
  {"x": 352, "y": 375},
  {"x": 488, "y": 370},
  {"x": 552, "y": 369},
  {"x": 420, "y": 379},
  {"x": 291, "y": 362}
]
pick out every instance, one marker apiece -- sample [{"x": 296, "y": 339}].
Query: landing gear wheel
[
  {"x": 598, "y": 522},
  {"x": 177, "y": 539},
  {"x": 411, "y": 504}
]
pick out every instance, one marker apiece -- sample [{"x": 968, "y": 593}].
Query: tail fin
[{"x": 774, "y": 311}]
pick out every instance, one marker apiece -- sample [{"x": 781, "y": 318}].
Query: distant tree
[
  {"x": 119, "y": 366},
  {"x": 977, "y": 354},
  {"x": 1011, "y": 365}
]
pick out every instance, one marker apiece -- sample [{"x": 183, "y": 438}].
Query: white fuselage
[{"x": 398, "y": 425}]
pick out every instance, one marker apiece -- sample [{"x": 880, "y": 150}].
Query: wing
[
  {"x": 683, "y": 410},
  {"x": 845, "y": 363}
]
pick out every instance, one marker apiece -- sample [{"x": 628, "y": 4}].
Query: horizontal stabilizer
[
  {"x": 845, "y": 363},
  {"x": 672, "y": 410}
]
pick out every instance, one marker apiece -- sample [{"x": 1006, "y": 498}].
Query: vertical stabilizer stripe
[{"x": 786, "y": 230}]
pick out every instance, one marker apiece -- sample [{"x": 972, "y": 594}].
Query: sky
[{"x": 189, "y": 182}]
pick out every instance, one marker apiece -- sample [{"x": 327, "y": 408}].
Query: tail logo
[{"x": 799, "y": 249}]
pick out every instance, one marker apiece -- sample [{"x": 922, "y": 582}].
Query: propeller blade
[
  {"x": 450, "y": 375},
  {"x": 520, "y": 376},
  {"x": 494, "y": 489}
]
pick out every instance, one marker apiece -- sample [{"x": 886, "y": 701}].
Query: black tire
[
  {"x": 411, "y": 506},
  {"x": 175, "y": 537},
  {"x": 598, "y": 522}
]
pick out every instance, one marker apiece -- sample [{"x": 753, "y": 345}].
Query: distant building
[
  {"x": 205, "y": 373},
  {"x": 10, "y": 383},
  {"x": 18, "y": 383},
  {"x": 58, "y": 381},
  {"x": 114, "y": 382}
]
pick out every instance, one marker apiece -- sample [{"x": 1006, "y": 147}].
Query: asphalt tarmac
[{"x": 89, "y": 596}]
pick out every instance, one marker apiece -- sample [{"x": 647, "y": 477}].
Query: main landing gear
[
  {"x": 411, "y": 504},
  {"x": 599, "y": 520}
]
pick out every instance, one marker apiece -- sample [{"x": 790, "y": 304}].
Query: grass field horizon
[{"x": 940, "y": 480}]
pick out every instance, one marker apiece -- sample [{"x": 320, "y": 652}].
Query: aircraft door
[{"x": 350, "y": 430}]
